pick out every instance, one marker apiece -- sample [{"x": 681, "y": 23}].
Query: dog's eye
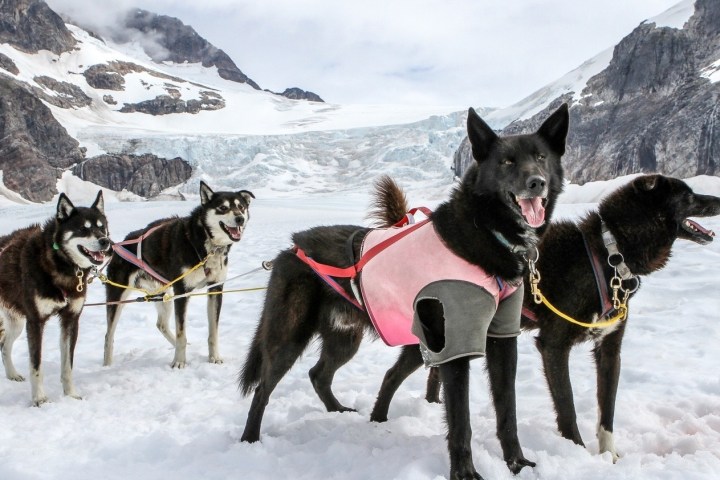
[
  {"x": 223, "y": 208},
  {"x": 507, "y": 161},
  {"x": 540, "y": 157}
]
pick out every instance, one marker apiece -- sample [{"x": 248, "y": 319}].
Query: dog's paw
[
  {"x": 179, "y": 364},
  {"x": 16, "y": 377},
  {"x": 216, "y": 360},
  {"x": 74, "y": 395},
  {"x": 472, "y": 475},
  {"x": 37, "y": 401},
  {"x": 517, "y": 464}
]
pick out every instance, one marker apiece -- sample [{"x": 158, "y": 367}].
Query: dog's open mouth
[
  {"x": 532, "y": 209},
  {"x": 96, "y": 258},
  {"x": 697, "y": 233},
  {"x": 235, "y": 233}
]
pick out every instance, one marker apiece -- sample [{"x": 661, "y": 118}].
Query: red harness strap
[
  {"x": 327, "y": 271},
  {"x": 137, "y": 259}
]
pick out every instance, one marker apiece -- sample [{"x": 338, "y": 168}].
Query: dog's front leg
[
  {"x": 607, "y": 360},
  {"x": 454, "y": 375},
  {"x": 555, "y": 360},
  {"x": 35, "y": 325},
  {"x": 69, "y": 327},
  {"x": 180, "y": 359},
  {"x": 502, "y": 369},
  {"x": 213, "y": 313}
]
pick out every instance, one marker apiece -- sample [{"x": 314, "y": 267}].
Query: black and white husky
[
  {"x": 43, "y": 272},
  {"x": 169, "y": 248}
]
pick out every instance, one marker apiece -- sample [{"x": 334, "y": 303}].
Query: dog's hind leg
[
  {"x": 180, "y": 360},
  {"x": 407, "y": 362},
  {"x": 214, "y": 305},
  {"x": 164, "y": 310},
  {"x": 607, "y": 361},
  {"x": 112, "y": 294},
  {"x": 340, "y": 342},
  {"x": 502, "y": 369},
  {"x": 10, "y": 329},
  {"x": 555, "y": 358}
]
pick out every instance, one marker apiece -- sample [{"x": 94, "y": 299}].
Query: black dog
[
  {"x": 491, "y": 220},
  {"x": 43, "y": 272},
  {"x": 170, "y": 248},
  {"x": 634, "y": 229}
]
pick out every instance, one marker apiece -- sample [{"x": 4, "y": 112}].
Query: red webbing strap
[
  {"x": 325, "y": 271},
  {"x": 136, "y": 260}
]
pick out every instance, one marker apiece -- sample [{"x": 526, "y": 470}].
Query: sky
[{"x": 487, "y": 53}]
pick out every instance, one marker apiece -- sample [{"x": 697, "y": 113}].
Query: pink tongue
[
  {"x": 98, "y": 256},
  {"x": 234, "y": 232},
  {"x": 533, "y": 211}
]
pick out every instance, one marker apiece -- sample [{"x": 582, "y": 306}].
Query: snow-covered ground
[{"x": 141, "y": 419}]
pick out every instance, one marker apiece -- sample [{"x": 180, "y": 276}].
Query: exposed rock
[
  {"x": 145, "y": 175},
  {"x": 650, "y": 110},
  {"x": 7, "y": 64},
  {"x": 109, "y": 100},
  {"x": 181, "y": 43},
  {"x": 167, "y": 104},
  {"x": 69, "y": 95},
  {"x": 30, "y": 26},
  {"x": 104, "y": 77},
  {"x": 34, "y": 147},
  {"x": 295, "y": 93}
]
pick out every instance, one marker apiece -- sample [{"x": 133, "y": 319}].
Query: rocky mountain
[
  {"x": 653, "y": 109},
  {"x": 50, "y": 69},
  {"x": 181, "y": 43}
]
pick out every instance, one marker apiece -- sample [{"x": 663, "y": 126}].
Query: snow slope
[{"x": 141, "y": 419}]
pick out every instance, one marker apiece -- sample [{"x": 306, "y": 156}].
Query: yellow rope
[{"x": 622, "y": 313}]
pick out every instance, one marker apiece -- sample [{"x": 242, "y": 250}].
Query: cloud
[{"x": 457, "y": 52}]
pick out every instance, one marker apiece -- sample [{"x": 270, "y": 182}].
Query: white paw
[
  {"x": 40, "y": 400},
  {"x": 16, "y": 377},
  {"x": 216, "y": 360}
]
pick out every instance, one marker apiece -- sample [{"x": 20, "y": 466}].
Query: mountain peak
[{"x": 30, "y": 26}]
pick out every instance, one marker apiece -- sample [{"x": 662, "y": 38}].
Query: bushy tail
[
  {"x": 389, "y": 204},
  {"x": 250, "y": 375}
]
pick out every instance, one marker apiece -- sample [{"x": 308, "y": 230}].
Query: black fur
[
  {"x": 645, "y": 216},
  {"x": 176, "y": 246},
  {"x": 44, "y": 272},
  {"x": 299, "y": 305}
]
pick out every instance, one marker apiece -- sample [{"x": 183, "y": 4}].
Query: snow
[
  {"x": 675, "y": 16},
  {"x": 141, "y": 419}
]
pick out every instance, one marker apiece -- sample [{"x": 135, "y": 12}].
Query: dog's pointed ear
[
  {"x": 554, "y": 130},
  {"x": 247, "y": 195},
  {"x": 64, "y": 208},
  {"x": 99, "y": 204},
  {"x": 647, "y": 183},
  {"x": 206, "y": 193},
  {"x": 481, "y": 136}
]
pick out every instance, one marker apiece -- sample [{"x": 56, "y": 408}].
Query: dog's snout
[
  {"x": 535, "y": 184},
  {"x": 105, "y": 243},
  {"x": 239, "y": 220}
]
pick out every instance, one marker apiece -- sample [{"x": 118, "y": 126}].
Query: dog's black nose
[
  {"x": 536, "y": 184},
  {"x": 239, "y": 221},
  {"x": 105, "y": 243}
]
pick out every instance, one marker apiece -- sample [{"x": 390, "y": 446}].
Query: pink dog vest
[{"x": 391, "y": 280}]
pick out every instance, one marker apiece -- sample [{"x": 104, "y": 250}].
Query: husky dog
[
  {"x": 168, "y": 249},
  {"x": 637, "y": 223},
  {"x": 43, "y": 272},
  {"x": 491, "y": 220}
]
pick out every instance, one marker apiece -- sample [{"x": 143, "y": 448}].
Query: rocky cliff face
[
  {"x": 651, "y": 110},
  {"x": 30, "y": 25},
  {"x": 183, "y": 44},
  {"x": 146, "y": 175}
]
